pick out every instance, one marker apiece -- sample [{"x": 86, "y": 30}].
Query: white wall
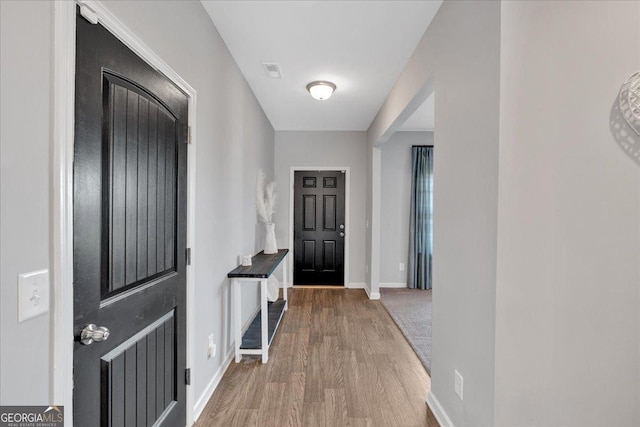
[
  {"x": 321, "y": 148},
  {"x": 373, "y": 162},
  {"x": 560, "y": 282},
  {"x": 568, "y": 307},
  {"x": 458, "y": 57},
  {"x": 234, "y": 140},
  {"x": 373, "y": 229},
  {"x": 25, "y": 135},
  {"x": 395, "y": 211}
]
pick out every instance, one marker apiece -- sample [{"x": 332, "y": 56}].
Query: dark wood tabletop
[{"x": 261, "y": 265}]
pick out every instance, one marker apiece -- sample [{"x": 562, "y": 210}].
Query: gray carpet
[{"x": 411, "y": 310}]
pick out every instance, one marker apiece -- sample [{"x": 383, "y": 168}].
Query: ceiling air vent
[{"x": 273, "y": 70}]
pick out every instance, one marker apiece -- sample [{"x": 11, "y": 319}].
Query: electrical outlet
[
  {"x": 401, "y": 267},
  {"x": 211, "y": 348},
  {"x": 458, "y": 383}
]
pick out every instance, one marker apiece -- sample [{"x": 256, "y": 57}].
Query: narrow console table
[{"x": 259, "y": 335}]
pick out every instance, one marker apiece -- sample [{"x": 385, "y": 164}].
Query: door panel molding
[
  {"x": 309, "y": 255},
  {"x": 63, "y": 110},
  {"x": 329, "y": 255},
  {"x": 309, "y": 219},
  {"x": 347, "y": 212},
  {"x": 130, "y": 366},
  {"x": 136, "y": 252},
  {"x": 329, "y": 206}
]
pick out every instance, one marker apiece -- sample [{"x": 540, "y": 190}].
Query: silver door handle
[
  {"x": 341, "y": 234},
  {"x": 92, "y": 333}
]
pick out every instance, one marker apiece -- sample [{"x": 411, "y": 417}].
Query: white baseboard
[
  {"x": 355, "y": 286},
  {"x": 371, "y": 295},
  {"x": 201, "y": 403},
  {"x": 213, "y": 384},
  {"x": 393, "y": 285},
  {"x": 438, "y": 411}
]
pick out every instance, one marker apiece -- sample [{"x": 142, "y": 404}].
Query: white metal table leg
[
  {"x": 264, "y": 320},
  {"x": 284, "y": 282},
  {"x": 238, "y": 318}
]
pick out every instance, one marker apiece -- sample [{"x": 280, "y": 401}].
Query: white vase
[{"x": 270, "y": 244}]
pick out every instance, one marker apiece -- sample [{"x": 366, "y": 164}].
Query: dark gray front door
[
  {"x": 319, "y": 227},
  {"x": 129, "y": 237}
]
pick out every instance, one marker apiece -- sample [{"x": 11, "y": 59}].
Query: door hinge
[
  {"x": 187, "y": 376},
  {"x": 188, "y": 256},
  {"x": 188, "y": 134}
]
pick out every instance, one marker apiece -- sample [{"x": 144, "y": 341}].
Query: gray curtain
[{"x": 421, "y": 222}]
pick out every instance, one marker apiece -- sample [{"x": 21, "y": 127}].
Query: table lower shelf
[{"x": 252, "y": 338}]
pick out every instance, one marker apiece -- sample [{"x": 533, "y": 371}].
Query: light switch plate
[{"x": 33, "y": 294}]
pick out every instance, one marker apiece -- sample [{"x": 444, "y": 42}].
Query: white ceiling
[
  {"x": 361, "y": 46},
  {"x": 423, "y": 119}
]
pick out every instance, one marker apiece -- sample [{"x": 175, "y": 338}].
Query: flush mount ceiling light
[{"x": 321, "y": 90}]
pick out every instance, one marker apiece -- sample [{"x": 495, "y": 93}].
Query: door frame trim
[
  {"x": 63, "y": 116},
  {"x": 347, "y": 213}
]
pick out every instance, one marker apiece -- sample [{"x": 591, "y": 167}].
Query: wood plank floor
[{"x": 338, "y": 359}]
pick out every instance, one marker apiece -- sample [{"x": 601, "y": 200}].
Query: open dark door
[
  {"x": 319, "y": 229},
  {"x": 129, "y": 205}
]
